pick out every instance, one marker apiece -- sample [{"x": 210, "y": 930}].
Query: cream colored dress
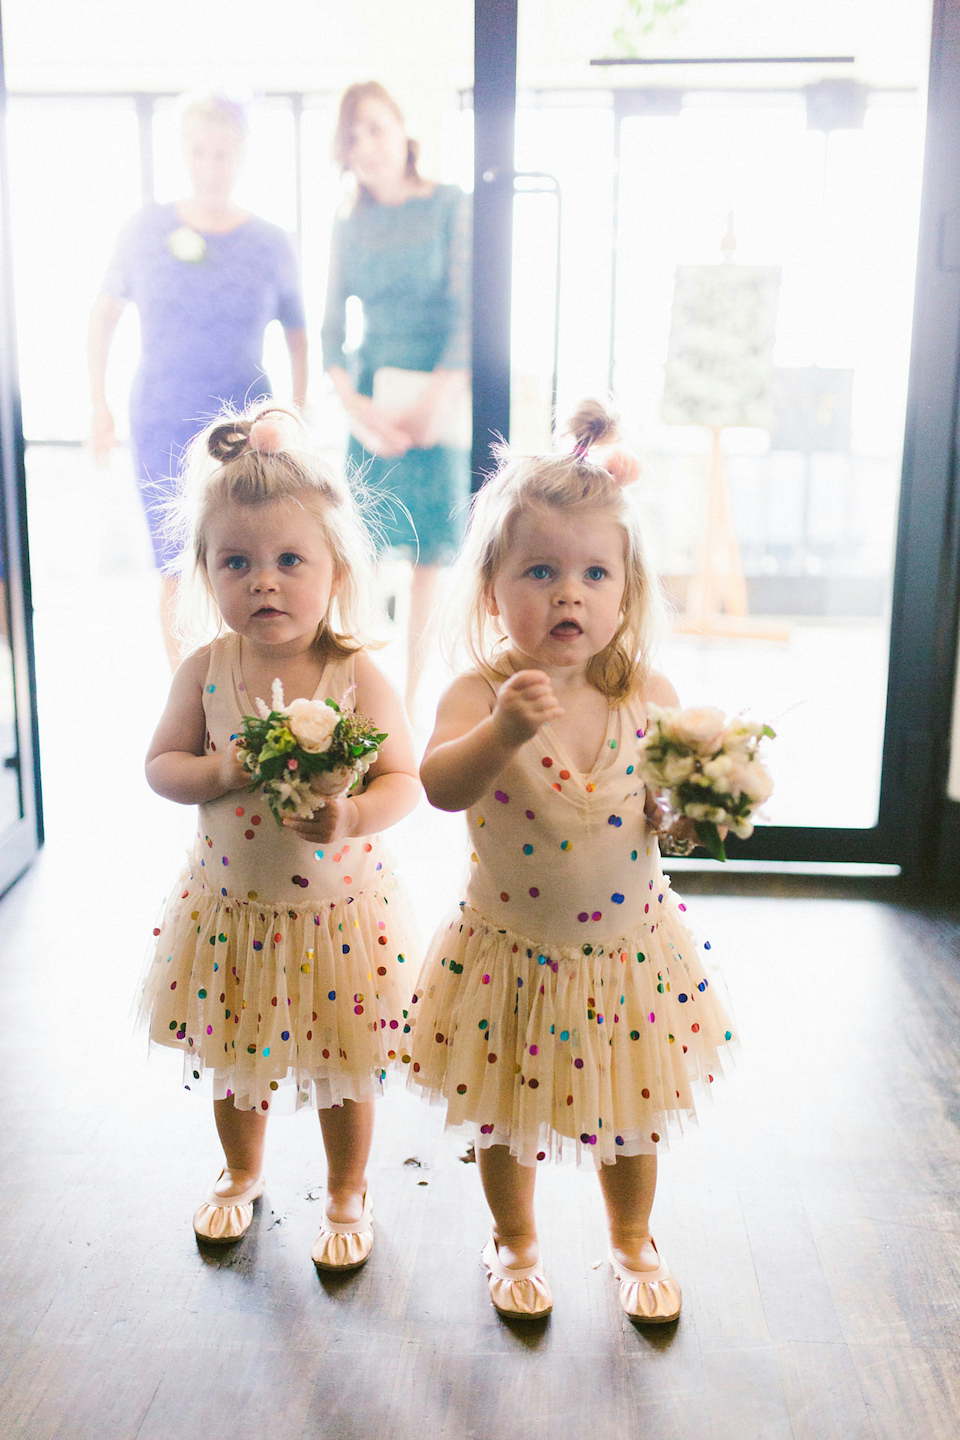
[
  {"x": 567, "y": 1001},
  {"x": 278, "y": 961}
]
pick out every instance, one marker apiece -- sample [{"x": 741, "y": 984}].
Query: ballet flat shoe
[
  {"x": 520, "y": 1294},
  {"x": 344, "y": 1245},
  {"x": 651, "y": 1297},
  {"x": 222, "y": 1219}
]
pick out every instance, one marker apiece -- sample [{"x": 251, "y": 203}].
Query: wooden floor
[{"x": 812, "y": 1218}]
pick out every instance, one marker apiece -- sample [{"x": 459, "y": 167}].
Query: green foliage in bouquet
[
  {"x": 287, "y": 747},
  {"x": 707, "y": 768}
]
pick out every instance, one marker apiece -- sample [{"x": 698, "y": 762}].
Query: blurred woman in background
[
  {"x": 207, "y": 277},
  {"x": 402, "y": 247}
]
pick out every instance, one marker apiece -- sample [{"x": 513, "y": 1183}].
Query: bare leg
[
  {"x": 509, "y": 1188},
  {"x": 423, "y": 590},
  {"x": 242, "y": 1135},
  {"x": 629, "y": 1186},
  {"x": 347, "y": 1131},
  {"x": 168, "y": 596}
]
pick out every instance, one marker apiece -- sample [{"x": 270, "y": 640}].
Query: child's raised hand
[
  {"x": 524, "y": 703},
  {"x": 336, "y": 819}
]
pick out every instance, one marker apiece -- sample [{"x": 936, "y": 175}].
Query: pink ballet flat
[
  {"x": 651, "y": 1297},
  {"x": 344, "y": 1245},
  {"x": 520, "y": 1294},
  {"x": 222, "y": 1219}
]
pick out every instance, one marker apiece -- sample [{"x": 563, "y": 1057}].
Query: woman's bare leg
[{"x": 423, "y": 591}]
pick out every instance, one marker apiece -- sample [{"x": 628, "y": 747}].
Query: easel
[{"x": 717, "y": 594}]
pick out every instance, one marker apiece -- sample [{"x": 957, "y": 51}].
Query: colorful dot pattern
[
  {"x": 281, "y": 967},
  {"x": 593, "y": 1034}
]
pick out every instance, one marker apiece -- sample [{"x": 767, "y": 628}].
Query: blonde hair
[
  {"x": 222, "y": 467},
  {"x": 211, "y": 107},
  {"x": 350, "y": 101},
  {"x": 576, "y": 485}
]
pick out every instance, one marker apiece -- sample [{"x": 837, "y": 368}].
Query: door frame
[
  {"x": 923, "y": 637},
  {"x": 19, "y": 841}
]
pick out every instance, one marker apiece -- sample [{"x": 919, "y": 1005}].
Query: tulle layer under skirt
[
  {"x": 596, "y": 1049},
  {"x": 303, "y": 999}
]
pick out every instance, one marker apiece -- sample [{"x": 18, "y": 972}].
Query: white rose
[
  {"x": 186, "y": 245},
  {"x": 700, "y": 728},
  {"x": 751, "y": 779},
  {"x": 312, "y": 725}
]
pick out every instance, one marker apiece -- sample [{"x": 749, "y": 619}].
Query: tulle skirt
[
  {"x": 596, "y": 1048},
  {"x": 309, "y": 999}
]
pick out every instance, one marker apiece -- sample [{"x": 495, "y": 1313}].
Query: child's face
[
  {"x": 271, "y": 572},
  {"x": 560, "y": 586}
]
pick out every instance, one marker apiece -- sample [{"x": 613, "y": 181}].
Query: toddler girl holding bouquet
[
  {"x": 566, "y": 1004},
  {"x": 284, "y": 955}
]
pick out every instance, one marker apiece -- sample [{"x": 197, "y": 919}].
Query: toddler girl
[
  {"x": 284, "y": 952},
  {"x": 566, "y": 1003}
]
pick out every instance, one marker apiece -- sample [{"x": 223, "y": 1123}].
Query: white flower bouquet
[
  {"x": 704, "y": 767},
  {"x": 300, "y": 753}
]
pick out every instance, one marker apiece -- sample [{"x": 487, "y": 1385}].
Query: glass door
[
  {"x": 20, "y": 824},
  {"x": 737, "y": 256}
]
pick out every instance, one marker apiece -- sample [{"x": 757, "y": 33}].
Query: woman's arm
[
  {"x": 296, "y": 338},
  {"x": 103, "y": 322},
  {"x": 477, "y": 734},
  {"x": 392, "y": 788},
  {"x": 374, "y": 427},
  {"x": 176, "y": 766}
]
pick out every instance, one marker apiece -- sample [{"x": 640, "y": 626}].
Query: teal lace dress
[{"x": 409, "y": 267}]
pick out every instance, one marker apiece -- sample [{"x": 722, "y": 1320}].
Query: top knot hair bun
[
  {"x": 594, "y": 427},
  {"x": 592, "y": 423},
  {"x": 227, "y": 441},
  {"x": 269, "y": 433}
]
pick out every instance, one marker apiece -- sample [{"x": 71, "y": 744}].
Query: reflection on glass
[{"x": 774, "y": 214}]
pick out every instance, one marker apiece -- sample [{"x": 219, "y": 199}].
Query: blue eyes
[
  {"x": 594, "y": 573},
  {"x": 287, "y": 561}
]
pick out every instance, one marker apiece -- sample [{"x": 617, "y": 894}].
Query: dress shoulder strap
[{"x": 338, "y": 681}]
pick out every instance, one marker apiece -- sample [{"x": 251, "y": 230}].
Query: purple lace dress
[{"x": 201, "y": 325}]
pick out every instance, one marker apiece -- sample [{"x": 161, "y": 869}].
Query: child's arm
[
  {"x": 176, "y": 766},
  {"x": 476, "y": 734},
  {"x": 392, "y": 789}
]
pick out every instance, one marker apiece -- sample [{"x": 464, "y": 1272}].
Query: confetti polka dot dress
[
  {"x": 278, "y": 962},
  {"x": 566, "y": 1004}
]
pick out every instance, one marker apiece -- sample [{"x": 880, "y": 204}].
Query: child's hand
[
  {"x": 233, "y": 775},
  {"x": 336, "y": 819},
  {"x": 524, "y": 703}
]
